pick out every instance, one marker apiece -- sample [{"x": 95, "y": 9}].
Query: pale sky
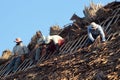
[{"x": 22, "y": 18}]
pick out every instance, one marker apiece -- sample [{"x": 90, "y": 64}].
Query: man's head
[
  {"x": 18, "y": 40},
  {"x": 38, "y": 33},
  {"x": 93, "y": 25}
]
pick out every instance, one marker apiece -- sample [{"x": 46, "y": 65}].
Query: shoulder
[
  {"x": 89, "y": 28},
  {"x": 99, "y": 27},
  {"x": 58, "y": 36},
  {"x": 22, "y": 45},
  {"x": 14, "y": 46}
]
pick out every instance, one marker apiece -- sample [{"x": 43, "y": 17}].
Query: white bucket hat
[{"x": 93, "y": 25}]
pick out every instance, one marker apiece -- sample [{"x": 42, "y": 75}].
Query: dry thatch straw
[
  {"x": 54, "y": 30},
  {"x": 6, "y": 56},
  {"x": 90, "y": 12}
]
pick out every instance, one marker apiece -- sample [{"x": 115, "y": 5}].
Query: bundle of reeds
[
  {"x": 90, "y": 11},
  {"x": 54, "y": 30}
]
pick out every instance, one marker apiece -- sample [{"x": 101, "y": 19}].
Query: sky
[{"x": 22, "y": 18}]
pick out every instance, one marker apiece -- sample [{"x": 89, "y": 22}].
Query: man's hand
[
  {"x": 15, "y": 54},
  {"x": 36, "y": 46},
  {"x": 103, "y": 42},
  {"x": 23, "y": 57}
]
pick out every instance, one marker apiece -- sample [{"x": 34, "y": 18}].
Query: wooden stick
[{"x": 79, "y": 40}]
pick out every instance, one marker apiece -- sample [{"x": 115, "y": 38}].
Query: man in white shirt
[{"x": 54, "y": 42}]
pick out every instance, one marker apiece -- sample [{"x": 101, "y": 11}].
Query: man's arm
[
  {"x": 14, "y": 51},
  {"x": 90, "y": 35},
  {"x": 25, "y": 49},
  {"x": 102, "y": 33}
]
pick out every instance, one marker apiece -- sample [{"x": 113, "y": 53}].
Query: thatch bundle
[
  {"x": 90, "y": 12},
  {"x": 32, "y": 43},
  {"x": 72, "y": 31},
  {"x": 6, "y": 55},
  {"x": 55, "y": 30}
]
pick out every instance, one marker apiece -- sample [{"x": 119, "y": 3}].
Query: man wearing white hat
[
  {"x": 94, "y": 30},
  {"x": 19, "y": 52}
]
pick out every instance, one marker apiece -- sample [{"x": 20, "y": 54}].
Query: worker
[
  {"x": 94, "y": 30},
  {"x": 19, "y": 52},
  {"x": 39, "y": 46},
  {"x": 54, "y": 42}
]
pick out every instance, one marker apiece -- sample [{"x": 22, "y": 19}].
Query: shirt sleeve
[
  {"x": 40, "y": 40},
  {"x": 55, "y": 40},
  {"x": 25, "y": 50},
  {"x": 102, "y": 33},
  {"x": 89, "y": 34}
]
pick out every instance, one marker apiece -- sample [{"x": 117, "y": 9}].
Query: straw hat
[{"x": 18, "y": 40}]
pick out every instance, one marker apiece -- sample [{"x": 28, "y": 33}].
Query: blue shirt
[{"x": 20, "y": 49}]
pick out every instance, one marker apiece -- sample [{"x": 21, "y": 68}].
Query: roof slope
[{"x": 77, "y": 62}]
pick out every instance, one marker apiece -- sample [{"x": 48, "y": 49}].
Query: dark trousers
[
  {"x": 14, "y": 63},
  {"x": 89, "y": 42}
]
